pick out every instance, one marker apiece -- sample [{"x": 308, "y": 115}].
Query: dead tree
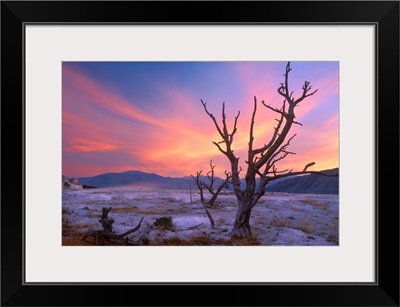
[
  {"x": 107, "y": 236},
  {"x": 261, "y": 162},
  {"x": 210, "y": 186},
  {"x": 201, "y": 185}
]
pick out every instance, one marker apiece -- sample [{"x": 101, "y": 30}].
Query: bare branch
[
  {"x": 223, "y": 184},
  {"x": 227, "y": 137},
  {"x": 276, "y": 129},
  {"x": 213, "y": 118},
  {"x": 273, "y": 109},
  {"x": 212, "y": 223},
  {"x": 225, "y": 129},
  {"x": 251, "y": 138},
  {"x": 112, "y": 235},
  {"x": 234, "y": 128},
  {"x": 308, "y": 165},
  {"x": 273, "y": 159},
  {"x": 200, "y": 184},
  {"x": 306, "y": 89},
  {"x": 211, "y": 178},
  {"x": 283, "y": 90},
  {"x": 219, "y": 147}
]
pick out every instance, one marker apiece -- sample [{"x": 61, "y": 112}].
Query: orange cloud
[{"x": 86, "y": 145}]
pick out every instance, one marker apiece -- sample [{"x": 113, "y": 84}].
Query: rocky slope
[{"x": 70, "y": 183}]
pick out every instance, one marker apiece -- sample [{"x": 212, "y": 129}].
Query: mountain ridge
[
  {"x": 311, "y": 183},
  {"x": 308, "y": 184}
]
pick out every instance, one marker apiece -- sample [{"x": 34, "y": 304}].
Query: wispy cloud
[{"x": 115, "y": 128}]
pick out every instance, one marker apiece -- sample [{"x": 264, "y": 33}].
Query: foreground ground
[{"x": 278, "y": 219}]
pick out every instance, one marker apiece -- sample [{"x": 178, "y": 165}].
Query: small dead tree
[
  {"x": 201, "y": 185},
  {"x": 261, "y": 162},
  {"x": 107, "y": 236},
  {"x": 212, "y": 180}
]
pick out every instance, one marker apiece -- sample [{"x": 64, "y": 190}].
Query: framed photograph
[{"x": 242, "y": 151}]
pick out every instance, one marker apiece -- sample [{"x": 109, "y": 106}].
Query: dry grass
[
  {"x": 333, "y": 238},
  {"x": 141, "y": 199},
  {"x": 315, "y": 203},
  {"x": 280, "y": 222},
  {"x": 176, "y": 241},
  {"x": 305, "y": 226},
  {"x": 202, "y": 240},
  {"x": 94, "y": 214},
  {"x": 296, "y": 209},
  {"x": 205, "y": 240},
  {"x": 91, "y": 202},
  {"x": 153, "y": 211},
  {"x": 66, "y": 224},
  {"x": 262, "y": 200},
  {"x": 122, "y": 210},
  {"x": 168, "y": 199},
  {"x": 245, "y": 241},
  {"x": 71, "y": 234},
  {"x": 66, "y": 210},
  {"x": 75, "y": 240},
  {"x": 95, "y": 226}
]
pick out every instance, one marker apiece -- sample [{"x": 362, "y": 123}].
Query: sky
[{"x": 148, "y": 116}]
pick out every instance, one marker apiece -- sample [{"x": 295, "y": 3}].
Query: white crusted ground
[{"x": 278, "y": 219}]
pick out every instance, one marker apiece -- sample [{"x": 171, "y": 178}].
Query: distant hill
[
  {"x": 141, "y": 179},
  {"x": 315, "y": 184},
  {"x": 308, "y": 184}
]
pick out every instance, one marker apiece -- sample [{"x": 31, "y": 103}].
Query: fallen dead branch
[{"x": 107, "y": 236}]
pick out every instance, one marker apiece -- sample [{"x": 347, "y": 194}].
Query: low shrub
[
  {"x": 164, "y": 222},
  {"x": 67, "y": 210}
]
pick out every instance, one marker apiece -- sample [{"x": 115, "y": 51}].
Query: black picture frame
[{"x": 383, "y": 14}]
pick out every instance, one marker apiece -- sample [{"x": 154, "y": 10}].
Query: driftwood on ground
[{"x": 107, "y": 236}]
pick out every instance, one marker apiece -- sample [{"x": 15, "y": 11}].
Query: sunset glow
[{"x": 147, "y": 116}]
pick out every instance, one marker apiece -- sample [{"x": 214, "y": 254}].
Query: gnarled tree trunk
[{"x": 241, "y": 226}]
